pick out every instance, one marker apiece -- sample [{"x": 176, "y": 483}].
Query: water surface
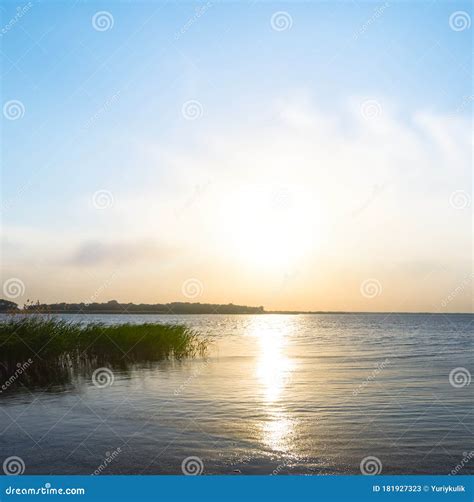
[{"x": 276, "y": 394}]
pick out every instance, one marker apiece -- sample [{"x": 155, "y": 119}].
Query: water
[{"x": 276, "y": 394}]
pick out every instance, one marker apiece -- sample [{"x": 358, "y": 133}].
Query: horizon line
[{"x": 31, "y": 306}]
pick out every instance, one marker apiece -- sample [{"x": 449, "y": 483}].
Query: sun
[{"x": 268, "y": 228}]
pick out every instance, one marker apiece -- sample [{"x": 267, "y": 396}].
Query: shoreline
[{"x": 270, "y": 312}]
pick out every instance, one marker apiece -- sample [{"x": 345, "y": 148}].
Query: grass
[{"x": 61, "y": 349}]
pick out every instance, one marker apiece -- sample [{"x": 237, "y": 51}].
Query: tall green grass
[{"x": 61, "y": 349}]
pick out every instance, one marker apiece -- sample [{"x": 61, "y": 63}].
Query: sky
[{"x": 296, "y": 155}]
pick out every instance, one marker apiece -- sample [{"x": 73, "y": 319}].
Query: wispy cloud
[{"x": 94, "y": 253}]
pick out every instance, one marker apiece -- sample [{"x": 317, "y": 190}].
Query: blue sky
[{"x": 103, "y": 111}]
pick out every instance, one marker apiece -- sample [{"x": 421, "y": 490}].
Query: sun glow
[{"x": 268, "y": 228}]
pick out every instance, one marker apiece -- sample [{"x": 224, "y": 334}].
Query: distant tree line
[
  {"x": 114, "y": 307},
  {"x": 7, "y": 306}
]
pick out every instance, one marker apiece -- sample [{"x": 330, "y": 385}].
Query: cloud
[{"x": 94, "y": 253}]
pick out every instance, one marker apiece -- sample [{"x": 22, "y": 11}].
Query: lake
[{"x": 275, "y": 394}]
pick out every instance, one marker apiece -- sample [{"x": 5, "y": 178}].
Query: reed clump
[{"x": 59, "y": 349}]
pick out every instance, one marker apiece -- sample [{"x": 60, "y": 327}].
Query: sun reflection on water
[
  {"x": 274, "y": 371},
  {"x": 278, "y": 431}
]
